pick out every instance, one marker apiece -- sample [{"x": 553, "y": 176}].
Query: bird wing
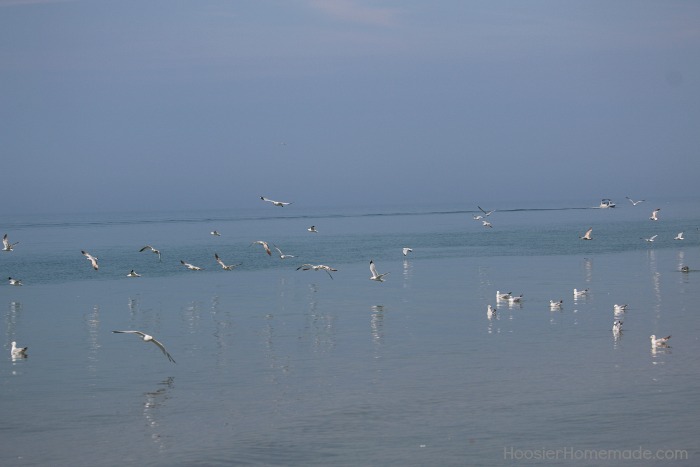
[
  {"x": 145, "y": 248},
  {"x": 373, "y": 268},
  {"x": 162, "y": 348}
]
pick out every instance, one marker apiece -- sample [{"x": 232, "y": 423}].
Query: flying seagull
[
  {"x": 317, "y": 267},
  {"x": 133, "y": 274},
  {"x": 679, "y": 236},
  {"x": 226, "y": 267},
  {"x": 149, "y": 247},
  {"x": 634, "y": 203},
  {"x": 375, "y": 275},
  {"x": 147, "y": 338},
  {"x": 276, "y": 203},
  {"x": 92, "y": 259},
  {"x": 14, "y": 281},
  {"x": 406, "y": 251},
  {"x": 587, "y": 235},
  {"x": 6, "y": 245},
  {"x": 312, "y": 229},
  {"x": 282, "y": 255},
  {"x": 18, "y": 352},
  {"x": 215, "y": 233},
  {"x": 650, "y": 239},
  {"x": 486, "y": 223},
  {"x": 486, "y": 213},
  {"x": 191, "y": 267},
  {"x": 264, "y": 245},
  {"x": 660, "y": 341},
  {"x": 654, "y": 214}
]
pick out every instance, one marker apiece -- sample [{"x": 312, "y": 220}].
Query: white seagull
[
  {"x": 634, "y": 203},
  {"x": 406, "y": 251},
  {"x": 147, "y": 338},
  {"x": 276, "y": 203},
  {"x": 619, "y": 309},
  {"x": 18, "y": 352},
  {"x": 617, "y": 326},
  {"x": 650, "y": 239},
  {"x": 375, "y": 275},
  {"x": 490, "y": 312},
  {"x": 679, "y": 236},
  {"x": 14, "y": 281},
  {"x": 659, "y": 342},
  {"x": 477, "y": 218},
  {"x": 92, "y": 259},
  {"x": 133, "y": 274},
  {"x": 317, "y": 267},
  {"x": 149, "y": 247},
  {"x": 312, "y": 229},
  {"x": 501, "y": 297},
  {"x": 654, "y": 214},
  {"x": 282, "y": 255},
  {"x": 486, "y": 213},
  {"x": 587, "y": 235},
  {"x": 6, "y": 245},
  {"x": 226, "y": 267},
  {"x": 191, "y": 267},
  {"x": 215, "y": 233},
  {"x": 556, "y": 305},
  {"x": 486, "y": 223},
  {"x": 580, "y": 293},
  {"x": 264, "y": 245}
]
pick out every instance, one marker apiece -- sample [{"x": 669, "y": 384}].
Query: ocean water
[{"x": 278, "y": 366}]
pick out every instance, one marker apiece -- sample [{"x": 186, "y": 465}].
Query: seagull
[
  {"x": 617, "y": 326},
  {"x": 486, "y": 213},
  {"x": 580, "y": 293},
  {"x": 133, "y": 274},
  {"x": 685, "y": 269},
  {"x": 215, "y": 233},
  {"x": 18, "y": 352},
  {"x": 587, "y": 235},
  {"x": 375, "y": 275},
  {"x": 276, "y": 203},
  {"x": 659, "y": 342},
  {"x": 317, "y": 267},
  {"x": 312, "y": 229},
  {"x": 191, "y": 266},
  {"x": 226, "y": 267},
  {"x": 147, "y": 338},
  {"x": 6, "y": 245},
  {"x": 556, "y": 305},
  {"x": 264, "y": 244},
  {"x": 634, "y": 203},
  {"x": 679, "y": 236},
  {"x": 619, "y": 309},
  {"x": 654, "y": 214},
  {"x": 14, "y": 281},
  {"x": 490, "y": 312},
  {"x": 149, "y": 247},
  {"x": 515, "y": 299},
  {"x": 502, "y": 296},
  {"x": 650, "y": 239},
  {"x": 282, "y": 255},
  {"x": 407, "y": 250},
  {"x": 477, "y": 218},
  {"x": 92, "y": 259},
  {"x": 486, "y": 223}
]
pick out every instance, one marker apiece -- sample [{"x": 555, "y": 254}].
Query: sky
[{"x": 153, "y": 105}]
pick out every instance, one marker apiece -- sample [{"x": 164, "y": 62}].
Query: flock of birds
[{"x": 618, "y": 310}]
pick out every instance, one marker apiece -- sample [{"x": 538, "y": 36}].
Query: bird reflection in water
[{"x": 151, "y": 407}]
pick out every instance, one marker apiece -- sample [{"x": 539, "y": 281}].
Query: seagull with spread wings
[
  {"x": 147, "y": 338},
  {"x": 276, "y": 203}
]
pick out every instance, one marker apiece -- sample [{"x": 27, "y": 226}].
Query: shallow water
[{"x": 283, "y": 367}]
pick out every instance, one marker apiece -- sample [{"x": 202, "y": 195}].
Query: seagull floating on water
[
  {"x": 502, "y": 296},
  {"x": 147, "y": 338},
  {"x": 634, "y": 203},
  {"x": 619, "y": 309},
  {"x": 490, "y": 312},
  {"x": 282, "y": 255},
  {"x": 650, "y": 239},
  {"x": 617, "y": 326},
  {"x": 226, "y": 267},
  {"x": 580, "y": 293},
  {"x": 514, "y": 299},
  {"x": 659, "y": 342},
  {"x": 6, "y": 245},
  {"x": 149, "y": 247},
  {"x": 375, "y": 275},
  {"x": 685, "y": 269},
  {"x": 276, "y": 203},
  {"x": 312, "y": 229},
  {"x": 18, "y": 352},
  {"x": 215, "y": 233},
  {"x": 587, "y": 235},
  {"x": 556, "y": 305},
  {"x": 92, "y": 259},
  {"x": 654, "y": 214},
  {"x": 679, "y": 236},
  {"x": 406, "y": 251},
  {"x": 191, "y": 267},
  {"x": 133, "y": 274},
  {"x": 14, "y": 281},
  {"x": 264, "y": 245},
  {"x": 317, "y": 267}
]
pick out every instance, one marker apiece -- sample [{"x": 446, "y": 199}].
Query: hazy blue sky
[{"x": 168, "y": 104}]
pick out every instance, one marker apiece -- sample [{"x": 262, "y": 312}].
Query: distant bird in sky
[
  {"x": 14, "y": 281},
  {"x": 133, "y": 274},
  {"x": 650, "y": 239},
  {"x": 226, "y": 267},
  {"x": 407, "y": 250},
  {"x": 282, "y": 255},
  {"x": 147, "y": 338},
  {"x": 634, "y": 203},
  {"x": 149, "y": 247},
  {"x": 6, "y": 245},
  {"x": 655, "y": 214},
  {"x": 317, "y": 267},
  {"x": 486, "y": 213},
  {"x": 679, "y": 236},
  {"x": 215, "y": 233},
  {"x": 659, "y": 342},
  {"x": 92, "y": 259},
  {"x": 191, "y": 267},
  {"x": 264, "y": 245},
  {"x": 18, "y": 352},
  {"x": 276, "y": 203},
  {"x": 312, "y": 229},
  {"x": 587, "y": 235},
  {"x": 375, "y": 275}
]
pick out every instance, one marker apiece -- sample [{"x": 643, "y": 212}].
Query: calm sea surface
[{"x": 278, "y": 366}]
